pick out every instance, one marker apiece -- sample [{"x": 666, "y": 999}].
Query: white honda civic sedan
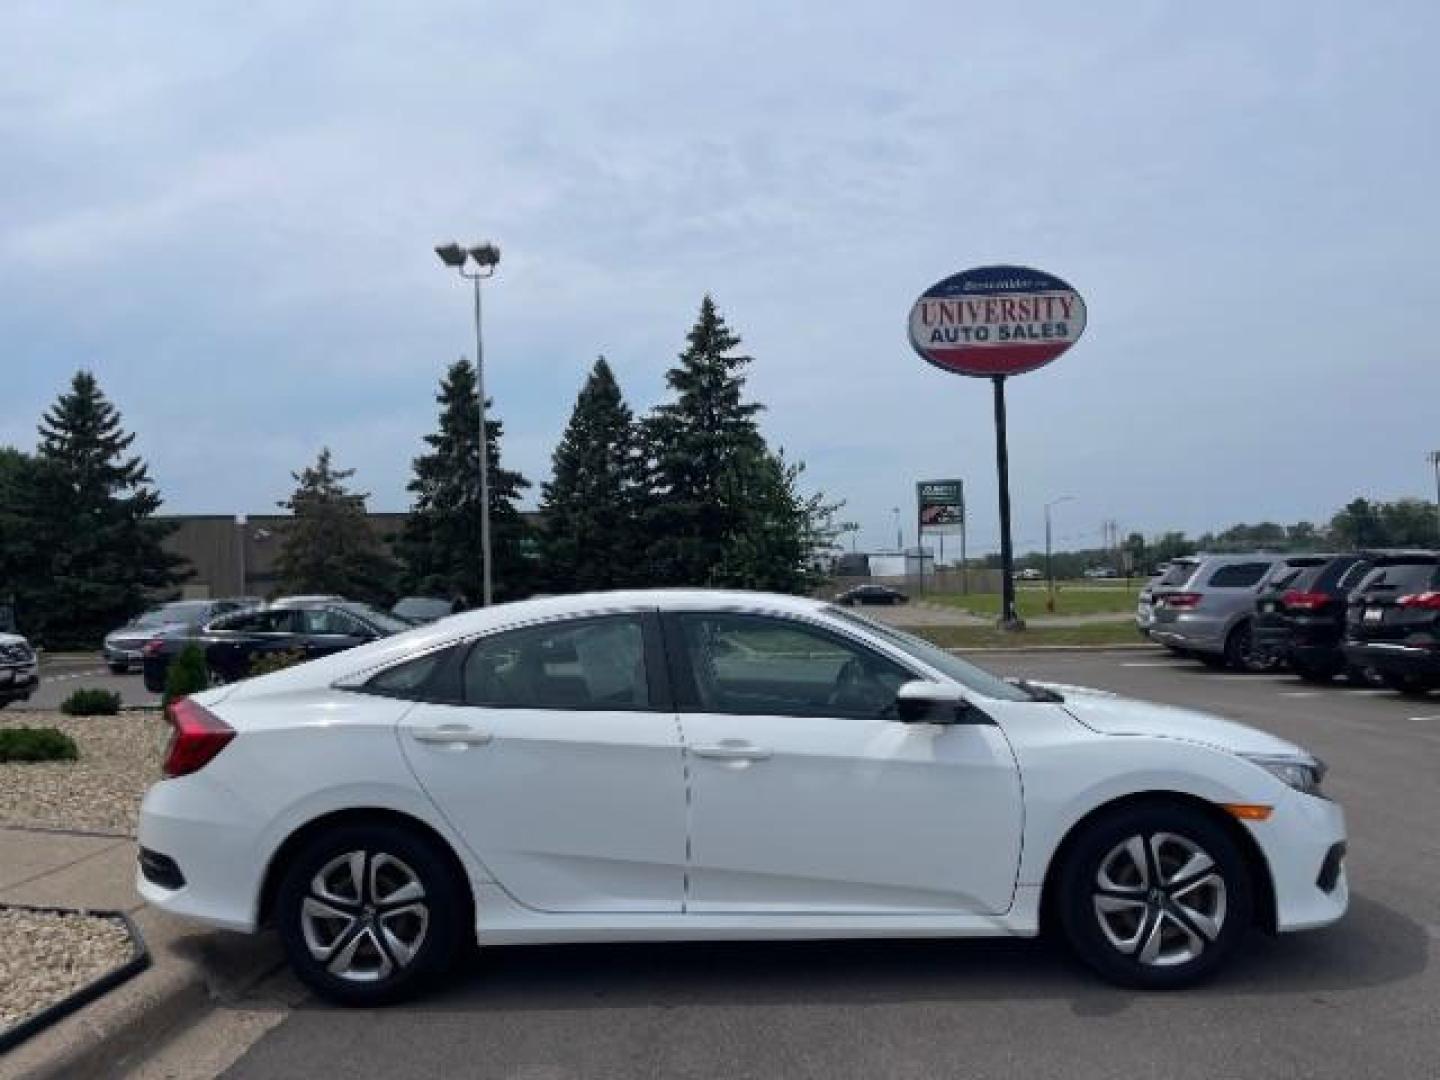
[{"x": 683, "y": 765}]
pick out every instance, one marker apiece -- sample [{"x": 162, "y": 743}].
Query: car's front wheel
[
  {"x": 1155, "y": 896},
  {"x": 369, "y": 913}
]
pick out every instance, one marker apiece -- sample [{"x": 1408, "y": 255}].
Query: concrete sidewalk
[{"x": 191, "y": 968}]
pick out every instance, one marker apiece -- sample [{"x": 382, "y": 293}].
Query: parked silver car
[{"x": 1211, "y": 614}]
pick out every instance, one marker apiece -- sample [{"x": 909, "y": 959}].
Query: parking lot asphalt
[
  {"x": 61, "y": 676},
  {"x": 1358, "y": 999}
]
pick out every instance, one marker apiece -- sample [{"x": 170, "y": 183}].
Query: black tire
[
  {"x": 1240, "y": 652},
  {"x": 1178, "y": 651},
  {"x": 404, "y": 856},
  {"x": 1409, "y": 685},
  {"x": 1213, "y": 660},
  {"x": 1185, "y": 829},
  {"x": 119, "y": 669}
]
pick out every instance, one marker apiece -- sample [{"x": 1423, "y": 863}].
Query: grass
[
  {"x": 1069, "y": 600},
  {"x": 988, "y": 637}
]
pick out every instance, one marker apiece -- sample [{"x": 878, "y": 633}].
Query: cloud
[{"x": 231, "y": 220}]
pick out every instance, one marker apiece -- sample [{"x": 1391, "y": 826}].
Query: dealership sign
[
  {"x": 996, "y": 320},
  {"x": 942, "y": 506}
]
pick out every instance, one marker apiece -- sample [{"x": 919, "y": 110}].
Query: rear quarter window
[
  {"x": 1402, "y": 577},
  {"x": 1238, "y": 575}
]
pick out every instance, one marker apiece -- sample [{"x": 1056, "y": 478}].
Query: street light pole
[
  {"x": 1434, "y": 458},
  {"x": 486, "y": 257},
  {"x": 1049, "y": 567},
  {"x": 899, "y": 535}
]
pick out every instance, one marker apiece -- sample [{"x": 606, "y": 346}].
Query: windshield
[{"x": 962, "y": 671}]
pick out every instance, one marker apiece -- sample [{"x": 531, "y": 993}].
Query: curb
[
  {"x": 103, "y": 984},
  {"x": 126, "y": 1027}
]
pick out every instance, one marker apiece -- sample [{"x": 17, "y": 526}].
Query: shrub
[
  {"x": 91, "y": 703},
  {"x": 36, "y": 744},
  {"x": 268, "y": 663},
  {"x": 186, "y": 674}
]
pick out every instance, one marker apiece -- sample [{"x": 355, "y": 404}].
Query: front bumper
[{"x": 1301, "y": 842}]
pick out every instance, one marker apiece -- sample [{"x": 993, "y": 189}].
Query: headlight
[{"x": 1303, "y": 773}]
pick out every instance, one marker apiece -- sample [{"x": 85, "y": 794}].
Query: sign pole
[{"x": 1009, "y": 619}]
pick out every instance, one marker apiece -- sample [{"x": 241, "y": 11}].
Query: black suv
[
  {"x": 1393, "y": 621},
  {"x": 1300, "y": 613}
]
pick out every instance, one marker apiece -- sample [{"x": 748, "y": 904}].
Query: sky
[{"x": 228, "y": 214}]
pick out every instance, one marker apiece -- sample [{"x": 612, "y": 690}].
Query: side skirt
[{"x": 500, "y": 921}]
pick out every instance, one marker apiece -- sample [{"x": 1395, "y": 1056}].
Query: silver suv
[{"x": 1210, "y": 615}]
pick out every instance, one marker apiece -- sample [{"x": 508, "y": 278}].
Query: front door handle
[
  {"x": 732, "y": 751},
  {"x": 452, "y": 735}
]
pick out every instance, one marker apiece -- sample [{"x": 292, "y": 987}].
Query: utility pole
[{"x": 1434, "y": 458}]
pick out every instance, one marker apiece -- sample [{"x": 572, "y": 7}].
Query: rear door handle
[
  {"x": 452, "y": 735},
  {"x": 732, "y": 751}
]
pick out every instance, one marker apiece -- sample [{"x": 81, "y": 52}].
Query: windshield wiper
[{"x": 1038, "y": 693}]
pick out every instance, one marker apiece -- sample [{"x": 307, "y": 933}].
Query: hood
[{"x": 1110, "y": 714}]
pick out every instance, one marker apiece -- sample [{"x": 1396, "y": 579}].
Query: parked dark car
[
  {"x": 122, "y": 646},
  {"x": 419, "y": 610},
  {"x": 19, "y": 669},
  {"x": 871, "y": 594},
  {"x": 1392, "y": 624},
  {"x": 232, "y": 643},
  {"x": 1300, "y": 614}
]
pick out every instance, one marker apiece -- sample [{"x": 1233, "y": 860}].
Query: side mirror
[{"x": 921, "y": 702}]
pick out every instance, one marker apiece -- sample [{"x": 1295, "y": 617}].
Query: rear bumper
[
  {"x": 1394, "y": 657},
  {"x": 190, "y": 823},
  {"x": 18, "y": 681}
]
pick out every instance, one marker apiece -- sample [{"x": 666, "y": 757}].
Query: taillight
[
  {"x": 1304, "y": 601},
  {"x": 199, "y": 735},
  {"x": 1183, "y": 600},
  {"x": 151, "y": 647},
  {"x": 1428, "y": 601}
]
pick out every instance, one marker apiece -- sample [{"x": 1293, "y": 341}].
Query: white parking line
[
  {"x": 1299, "y": 693},
  {"x": 1154, "y": 663},
  {"x": 72, "y": 675},
  {"x": 1420, "y": 719}
]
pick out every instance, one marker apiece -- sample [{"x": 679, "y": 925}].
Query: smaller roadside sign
[{"x": 942, "y": 506}]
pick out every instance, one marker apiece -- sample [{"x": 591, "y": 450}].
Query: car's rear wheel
[
  {"x": 119, "y": 668},
  {"x": 369, "y": 914},
  {"x": 1242, "y": 653},
  {"x": 1155, "y": 896}
]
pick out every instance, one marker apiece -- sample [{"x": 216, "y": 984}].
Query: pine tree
[
  {"x": 84, "y": 511},
  {"x": 695, "y": 444},
  {"x": 590, "y": 506},
  {"x": 330, "y": 546},
  {"x": 440, "y": 546}
]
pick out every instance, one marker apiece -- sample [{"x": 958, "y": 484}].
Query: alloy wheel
[
  {"x": 365, "y": 916},
  {"x": 1160, "y": 899}
]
